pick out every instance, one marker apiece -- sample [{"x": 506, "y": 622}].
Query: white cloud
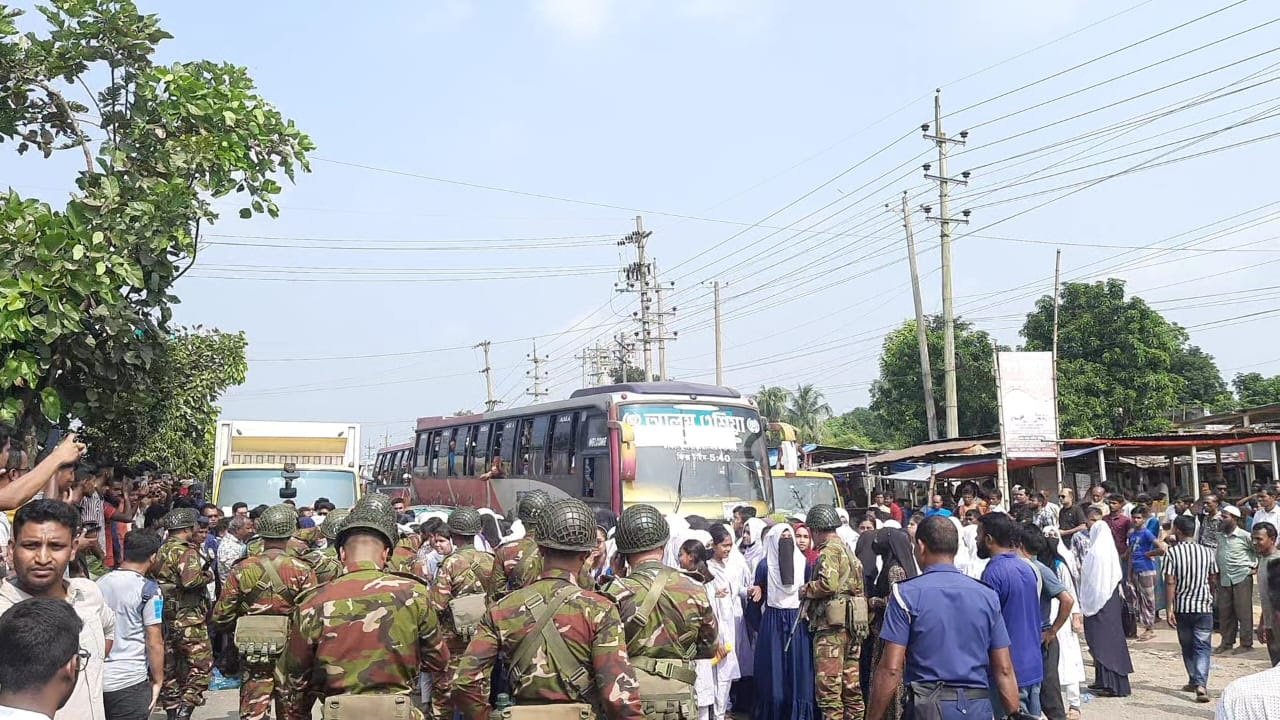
[{"x": 578, "y": 19}]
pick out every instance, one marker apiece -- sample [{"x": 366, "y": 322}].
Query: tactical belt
[{"x": 669, "y": 668}]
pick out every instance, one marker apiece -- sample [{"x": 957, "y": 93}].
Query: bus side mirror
[{"x": 626, "y": 436}]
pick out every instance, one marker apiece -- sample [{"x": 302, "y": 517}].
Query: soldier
[
  {"x": 564, "y": 645},
  {"x": 324, "y": 560},
  {"x": 668, "y": 618},
  {"x": 263, "y": 586},
  {"x": 184, "y": 581},
  {"x": 838, "y": 626},
  {"x": 361, "y": 640},
  {"x": 515, "y": 563},
  {"x": 404, "y": 556},
  {"x": 461, "y": 587}
]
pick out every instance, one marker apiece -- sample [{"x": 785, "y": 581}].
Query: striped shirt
[{"x": 1191, "y": 564}]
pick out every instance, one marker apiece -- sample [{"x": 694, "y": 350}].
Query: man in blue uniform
[{"x": 945, "y": 665}]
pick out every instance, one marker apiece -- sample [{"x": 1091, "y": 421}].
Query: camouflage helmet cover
[
  {"x": 532, "y": 504},
  {"x": 333, "y": 523},
  {"x": 464, "y": 521},
  {"x": 567, "y": 524},
  {"x": 369, "y": 518},
  {"x": 822, "y": 517},
  {"x": 180, "y": 518},
  {"x": 277, "y": 522},
  {"x": 641, "y": 527},
  {"x": 376, "y": 500}
]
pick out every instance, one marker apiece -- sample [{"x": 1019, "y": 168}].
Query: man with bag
[
  {"x": 260, "y": 593},
  {"x": 362, "y": 640},
  {"x": 564, "y": 645},
  {"x": 667, "y": 615},
  {"x": 837, "y": 617},
  {"x": 460, "y": 595},
  {"x": 184, "y": 581}
]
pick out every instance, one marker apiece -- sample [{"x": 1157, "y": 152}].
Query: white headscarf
[
  {"x": 964, "y": 556},
  {"x": 1101, "y": 572},
  {"x": 517, "y": 532},
  {"x": 679, "y": 526},
  {"x": 755, "y": 553},
  {"x": 779, "y": 595}
]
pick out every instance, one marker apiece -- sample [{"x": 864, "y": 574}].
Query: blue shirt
[
  {"x": 1015, "y": 584},
  {"x": 929, "y": 512},
  {"x": 944, "y": 608},
  {"x": 1050, "y": 588},
  {"x": 1141, "y": 542}
]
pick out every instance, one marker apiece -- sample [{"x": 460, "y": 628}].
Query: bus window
[
  {"x": 420, "y": 451},
  {"x": 524, "y": 448},
  {"x": 480, "y": 451},
  {"x": 539, "y": 458},
  {"x": 450, "y": 449},
  {"x": 467, "y": 450},
  {"x": 434, "y": 460},
  {"x": 562, "y": 444},
  {"x": 593, "y": 447},
  {"x": 501, "y": 431}
]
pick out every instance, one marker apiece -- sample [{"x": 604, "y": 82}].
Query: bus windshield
[
  {"x": 793, "y": 496},
  {"x": 708, "y": 451},
  {"x": 260, "y": 486}
]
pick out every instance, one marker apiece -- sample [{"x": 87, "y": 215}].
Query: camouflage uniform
[
  {"x": 466, "y": 571},
  {"x": 250, "y": 590},
  {"x": 297, "y": 546},
  {"x": 324, "y": 563},
  {"x": 582, "y": 657},
  {"x": 516, "y": 564},
  {"x": 188, "y": 654},
  {"x": 404, "y": 557},
  {"x": 366, "y": 633},
  {"x": 835, "y": 649}
]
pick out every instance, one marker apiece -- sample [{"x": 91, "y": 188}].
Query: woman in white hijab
[
  {"x": 1102, "y": 606},
  {"x": 847, "y": 535},
  {"x": 1070, "y": 660},
  {"x": 784, "y": 672},
  {"x": 752, "y": 543},
  {"x": 726, "y": 594}
]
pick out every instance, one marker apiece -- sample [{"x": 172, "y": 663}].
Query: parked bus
[
  {"x": 392, "y": 464},
  {"x": 265, "y": 461},
  {"x": 684, "y": 447}
]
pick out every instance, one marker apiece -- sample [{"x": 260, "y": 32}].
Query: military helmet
[
  {"x": 641, "y": 527},
  {"x": 567, "y": 524},
  {"x": 822, "y": 517},
  {"x": 365, "y": 517},
  {"x": 333, "y": 523},
  {"x": 532, "y": 504},
  {"x": 277, "y": 522},
  {"x": 180, "y": 518},
  {"x": 464, "y": 521},
  {"x": 376, "y": 500}
]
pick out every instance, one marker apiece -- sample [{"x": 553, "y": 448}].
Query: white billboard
[{"x": 1028, "y": 413}]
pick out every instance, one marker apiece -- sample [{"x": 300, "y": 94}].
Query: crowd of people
[{"x": 568, "y": 611}]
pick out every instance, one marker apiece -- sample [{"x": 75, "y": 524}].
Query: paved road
[{"x": 1158, "y": 673}]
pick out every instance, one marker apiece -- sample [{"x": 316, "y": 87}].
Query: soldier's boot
[
  {"x": 170, "y": 713},
  {"x": 184, "y": 712}
]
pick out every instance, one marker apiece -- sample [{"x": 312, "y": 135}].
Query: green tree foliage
[
  {"x": 897, "y": 397},
  {"x": 170, "y": 415},
  {"x": 860, "y": 427},
  {"x": 1121, "y": 366},
  {"x": 807, "y": 411},
  {"x": 773, "y": 401},
  {"x": 627, "y": 374},
  {"x": 1254, "y": 389},
  {"x": 85, "y": 296}
]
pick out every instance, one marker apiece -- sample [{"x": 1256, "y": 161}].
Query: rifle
[{"x": 804, "y": 608}]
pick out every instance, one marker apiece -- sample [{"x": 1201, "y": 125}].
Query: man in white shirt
[
  {"x": 1257, "y": 696},
  {"x": 1267, "y": 511},
  {"x": 134, "y": 670},
  {"x": 232, "y": 545},
  {"x": 44, "y": 534},
  {"x": 41, "y": 661}
]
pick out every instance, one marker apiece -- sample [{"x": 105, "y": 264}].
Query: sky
[{"x": 477, "y": 162}]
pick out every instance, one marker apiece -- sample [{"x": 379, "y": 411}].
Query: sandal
[{"x": 1202, "y": 695}]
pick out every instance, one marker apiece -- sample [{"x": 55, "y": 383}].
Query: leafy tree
[
  {"x": 627, "y": 373},
  {"x": 1119, "y": 361},
  {"x": 1202, "y": 384},
  {"x": 1254, "y": 389},
  {"x": 860, "y": 427},
  {"x": 897, "y": 397},
  {"x": 807, "y": 411},
  {"x": 170, "y": 415},
  {"x": 85, "y": 297},
  {"x": 773, "y": 402}
]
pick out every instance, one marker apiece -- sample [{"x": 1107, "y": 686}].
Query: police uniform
[
  {"x": 466, "y": 573},
  {"x": 942, "y": 603},
  {"x": 667, "y": 617},
  {"x": 836, "y": 587},
  {"x": 184, "y": 579},
  {"x": 265, "y": 585},
  {"x": 564, "y": 645},
  {"x": 362, "y": 640}
]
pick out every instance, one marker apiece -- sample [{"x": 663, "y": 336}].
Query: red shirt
[
  {"x": 1119, "y": 524},
  {"x": 895, "y": 511}
]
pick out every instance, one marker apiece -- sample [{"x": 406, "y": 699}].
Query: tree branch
[
  {"x": 61, "y": 102},
  {"x": 195, "y": 250}
]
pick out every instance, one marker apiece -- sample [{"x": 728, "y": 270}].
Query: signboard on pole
[{"x": 1028, "y": 412}]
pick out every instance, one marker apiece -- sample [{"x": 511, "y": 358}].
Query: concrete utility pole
[
  {"x": 490, "y": 401},
  {"x": 715, "y": 301},
  {"x": 1057, "y": 422},
  {"x": 922, "y": 333},
  {"x": 621, "y": 355},
  {"x": 662, "y": 337},
  {"x": 945, "y": 220},
  {"x": 638, "y": 278},
  {"x": 538, "y": 375}
]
